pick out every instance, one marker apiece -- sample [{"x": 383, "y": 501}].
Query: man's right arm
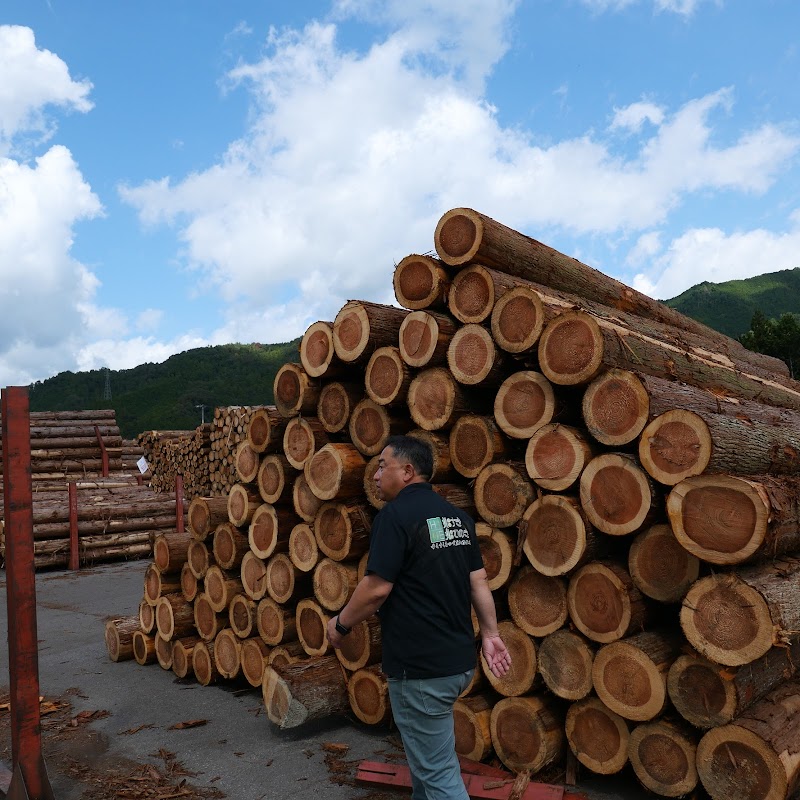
[{"x": 494, "y": 649}]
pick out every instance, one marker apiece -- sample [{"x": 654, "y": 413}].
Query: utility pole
[
  {"x": 107, "y": 387},
  {"x": 202, "y": 407}
]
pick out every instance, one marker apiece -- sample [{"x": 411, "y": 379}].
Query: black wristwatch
[{"x": 343, "y": 629}]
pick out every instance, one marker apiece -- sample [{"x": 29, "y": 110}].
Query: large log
[
  {"x": 756, "y": 756},
  {"x": 362, "y": 647},
  {"x": 421, "y": 282},
  {"x": 475, "y": 441},
  {"x": 254, "y": 576},
  {"x": 472, "y": 725},
  {"x": 368, "y": 691},
  {"x": 276, "y": 625},
  {"x": 527, "y": 732},
  {"x": 230, "y": 546},
  {"x": 243, "y": 500},
  {"x": 474, "y": 358},
  {"x": 275, "y": 478},
  {"x": 246, "y": 462},
  {"x": 255, "y": 652},
  {"x": 228, "y": 653},
  {"x": 342, "y": 530},
  {"x": 556, "y": 455},
  {"x": 521, "y": 676},
  {"x": 603, "y": 603},
  {"x": 663, "y": 755},
  {"x": 205, "y": 513},
  {"x": 497, "y": 551},
  {"x": 182, "y": 650},
  {"x": 221, "y": 587},
  {"x": 156, "y": 584},
  {"x": 360, "y": 328},
  {"x": 303, "y": 548},
  {"x": 726, "y": 519},
  {"x": 518, "y": 319},
  {"x": 174, "y": 616},
  {"x": 242, "y": 615},
  {"x": 387, "y": 377},
  {"x": 317, "y": 354},
  {"x": 630, "y": 676},
  {"x": 296, "y": 392},
  {"x": 424, "y": 338},
  {"x": 503, "y": 492},
  {"x": 735, "y": 618},
  {"x": 312, "y": 627},
  {"x": 298, "y": 693},
  {"x": 576, "y": 347},
  {"x": 199, "y": 559},
  {"x": 680, "y": 444},
  {"x": 464, "y": 235},
  {"x": 537, "y": 603},
  {"x": 119, "y": 637},
  {"x": 306, "y": 504},
  {"x": 707, "y": 694},
  {"x": 436, "y": 401},
  {"x": 565, "y": 664},
  {"x": 207, "y": 621},
  {"x": 334, "y": 583},
  {"x": 336, "y": 403},
  {"x": 371, "y": 425},
  {"x": 284, "y": 583},
  {"x": 270, "y": 529},
  {"x": 265, "y": 430},
  {"x": 617, "y": 495},
  {"x": 189, "y": 583},
  {"x": 302, "y": 438},
  {"x": 557, "y": 537},
  {"x": 660, "y": 567},
  {"x": 597, "y": 736},
  {"x": 524, "y": 403},
  {"x": 203, "y": 663},
  {"x": 144, "y": 647}
]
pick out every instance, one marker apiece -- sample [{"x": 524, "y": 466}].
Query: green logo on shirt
[{"x": 436, "y": 529}]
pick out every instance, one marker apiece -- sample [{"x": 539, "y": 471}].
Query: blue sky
[{"x": 179, "y": 174}]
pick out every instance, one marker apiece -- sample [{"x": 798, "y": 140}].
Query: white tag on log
[{"x": 143, "y": 465}]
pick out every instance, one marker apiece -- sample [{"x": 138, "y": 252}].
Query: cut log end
[
  {"x": 556, "y": 455},
  {"x": 420, "y": 282},
  {"x": 316, "y": 348},
  {"x": 524, "y": 403},
  {"x": 675, "y": 445},
  {"x": 518, "y": 319},
  {"x": 458, "y": 236},
  {"x": 565, "y": 663},
  {"x": 660, "y": 567},
  {"x": 571, "y": 349},
  {"x": 663, "y": 756},
  {"x": 616, "y": 407},
  {"x": 597, "y": 736}
]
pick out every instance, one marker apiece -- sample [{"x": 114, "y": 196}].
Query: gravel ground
[{"x": 109, "y": 729}]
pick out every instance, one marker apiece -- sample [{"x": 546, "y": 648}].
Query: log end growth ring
[
  {"x": 675, "y": 445},
  {"x": 316, "y": 348},
  {"x": 721, "y": 519},
  {"x": 615, "y": 407},
  {"x": 418, "y": 282},
  {"x": 518, "y": 320},
  {"x": 555, "y": 537},
  {"x": 472, "y": 296},
  {"x": 726, "y": 620},
  {"x": 571, "y": 349},
  {"x": 524, "y": 403},
  {"x": 351, "y": 330},
  {"x": 458, "y": 236}
]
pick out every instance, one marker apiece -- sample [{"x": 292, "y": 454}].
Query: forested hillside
[{"x": 169, "y": 395}]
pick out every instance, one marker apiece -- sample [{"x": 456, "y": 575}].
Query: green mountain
[
  {"x": 729, "y": 307},
  {"x": 168, "y": 396}
]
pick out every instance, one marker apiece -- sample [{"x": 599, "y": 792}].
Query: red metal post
[
  {"x": 103, "y": 451},
  {"x": 74, "y": 558},
  {"x": 179, "y": 503},
  {"x": 29, "y": 775}
]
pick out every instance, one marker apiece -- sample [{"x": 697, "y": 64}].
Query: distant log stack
[
  {"x": 634, "y": 477},
  {"x": 115, "y": 518},
  {"x": 185, "y": 453}
]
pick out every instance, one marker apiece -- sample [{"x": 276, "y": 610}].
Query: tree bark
[
  {"x": 725, "y": 519},
  {"x": 735, "y": 618},
  {"x": 205, "y": 513},
  {"x": 756, "y": 756},
  {"x": 174, "y": 616},
  {"x": 360, "y": 328},
  {"x": 298, "y": 693},
  {"x": 317, "y": 354},
  {"x": 144, "y": 647},
  {"x": 708, "y": 695}
]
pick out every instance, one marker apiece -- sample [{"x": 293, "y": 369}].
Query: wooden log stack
[
  {"x": 184, "y": 453},
  {"x": 636, "y": 482}
]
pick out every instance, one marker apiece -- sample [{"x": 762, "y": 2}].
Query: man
[{"x": 423, "y": 572}]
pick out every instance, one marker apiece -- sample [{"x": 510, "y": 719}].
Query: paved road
[{"x": 238, "y": 753}]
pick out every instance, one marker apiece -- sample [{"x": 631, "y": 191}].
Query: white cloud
[
  {"x": 711, "y": 254},
  {"x": 30, "y": 80},
  {"x": 351, "y": 159},
  {"x": 683, "y": 7},
  {"x": 149, "y": 319},
  {"x": 129, "y": 353},
  {"x": 634, "y": 116}
]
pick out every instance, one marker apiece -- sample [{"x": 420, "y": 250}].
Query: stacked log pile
[
  {"x": 184, "y": 453},
  {"x": 116, "y": 519},
  {"x": 229, "y": 430},
  {"x": 634, "y": 477}
]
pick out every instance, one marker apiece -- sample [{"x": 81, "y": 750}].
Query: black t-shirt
[{"x": 427, "y": 548}]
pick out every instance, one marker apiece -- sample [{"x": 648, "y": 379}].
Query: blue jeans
[{"x": 423, "y": 712}]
